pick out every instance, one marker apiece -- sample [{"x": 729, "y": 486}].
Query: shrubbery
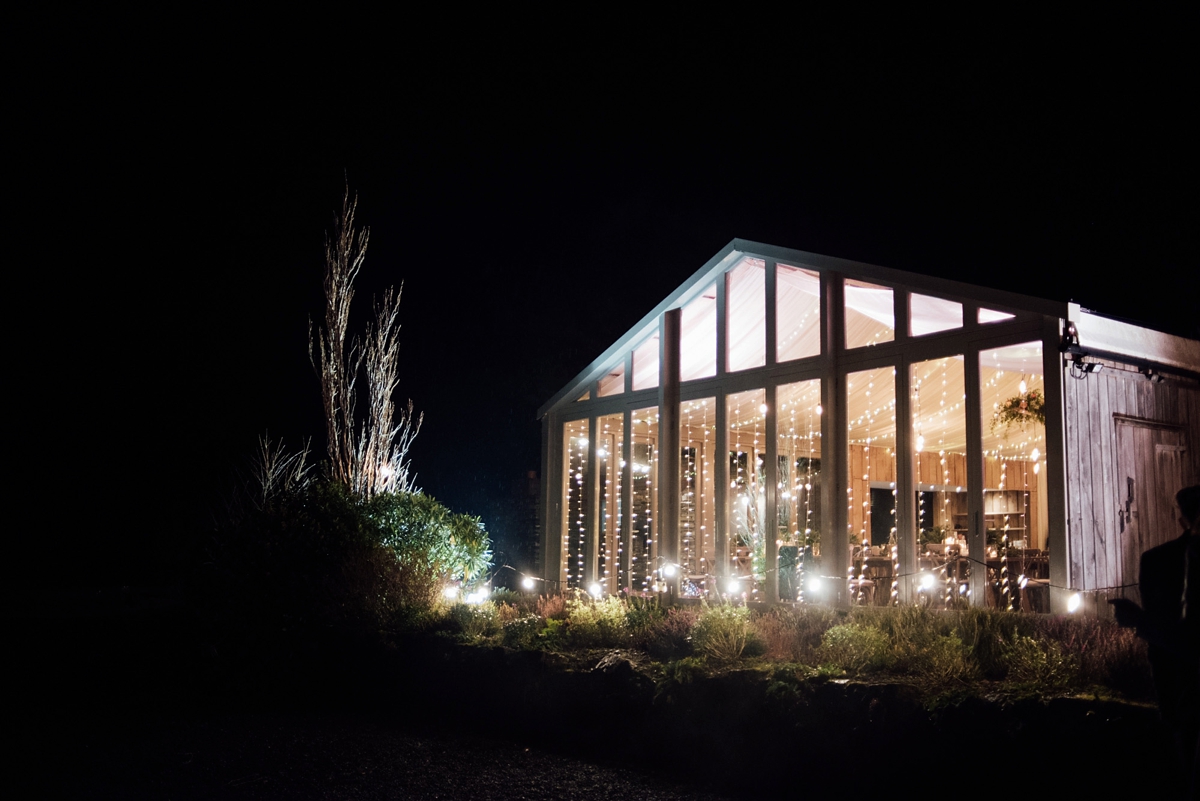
[
  {"x": 1027, "y": 653},
  {"x": 722, "y": 632},
  {"x": 320, "y": 558}
]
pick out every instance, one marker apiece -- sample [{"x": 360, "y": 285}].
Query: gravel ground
[{"x": 318, "y": 755}]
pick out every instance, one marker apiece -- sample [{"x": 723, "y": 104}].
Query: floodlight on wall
[{"x": 1080, "y": 369}]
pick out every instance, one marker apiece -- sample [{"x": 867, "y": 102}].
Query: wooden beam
[
  {"x": 906, "y": 513},
  {"x": 976, "y": 530},
  {"x": 770, "y": 524},
  {"x": 1056, "y": 467},
  {"x": 668, "y": 438},
  {"x": 835, "y": 546}
]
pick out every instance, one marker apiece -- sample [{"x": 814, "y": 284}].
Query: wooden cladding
[{"x": 1121, "y": 428}]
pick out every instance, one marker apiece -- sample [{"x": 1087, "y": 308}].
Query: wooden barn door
[{"x": 1150, "y": 470}]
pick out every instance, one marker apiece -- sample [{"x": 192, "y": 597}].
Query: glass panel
[
  {"x": 747, "y": 498},
  {"x": 799, "y": 424},
  {"x": 870, "y": 315},
  {"x": 747, "y": 327},
  {"x": 645, "y": 364},
  {"x": 698, "y": 337},
  {"x": 940, "y": 473},
  {"x": 585, "y": 396},
  {"x": 992, "y": 316},
  {"x": 574, "y": 506},
  {"x": 871, "y": 482},
  {"x": 1014, "y": 483},
  {"x": 643, "y": 541},
  {"x": 696, "y": 507},
  {"x": 608, "y": 459},
  {"x": 929, "y": 315},
  {"x": 797, "y": 313},
  {"x": 612, "y": 382}
]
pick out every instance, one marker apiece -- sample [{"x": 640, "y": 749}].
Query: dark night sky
[{"x": 536, "y": 196}]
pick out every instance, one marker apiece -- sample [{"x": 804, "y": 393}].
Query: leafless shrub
[
  {"x": 552, "y": 607},
  {"x": 369, "y": 456},
  {"x": 275, "y": 470}
]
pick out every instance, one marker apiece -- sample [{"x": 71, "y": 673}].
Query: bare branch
[{"x": 371, "y": 456}]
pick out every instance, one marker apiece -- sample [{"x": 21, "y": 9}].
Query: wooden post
[
  {"x": 976, "y": 530},
  {"x": 1055, "y": 465},
  {"x": 721, "y": 457},
  {"x": 906, "y": 513},
  {"x": 770, "y": 524},
  {"x": 669, "y": 448},
  {"x": 835, "y": 545}
]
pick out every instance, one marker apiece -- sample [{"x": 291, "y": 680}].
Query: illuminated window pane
[
  {"x": 585, "y": 396},
  {"x": 612, "y": 382},
  {"x": 608, "y": 460},
  {"x": 939, "y": 436},
  {"x": 645, "y": 364},
  {"x": 747, "y": 286},
  {"x": 698, "y": 338},
  {"x": 870, "y": 481},
  {"x": 697, "y": 419},
  {"x": 797, "y": 313},
  {"x": 574, "y": 522},
  {"x": 993, "y": 316},
  {"x": 929, "y": 315},
  {"x": 746, "y": 418},
  {"x": 798, "y": 422},
  {"x": 1012, "y": 397},
  {"x": 870, "y": 314},
  {"x": 643, "y": 554}
]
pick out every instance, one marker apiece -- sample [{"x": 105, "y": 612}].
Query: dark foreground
[
  {"x": 321, "y": 755},
  {"x": 146, "y": 707}
]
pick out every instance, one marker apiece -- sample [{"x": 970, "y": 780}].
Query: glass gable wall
[{"x": 763, "y": 508}]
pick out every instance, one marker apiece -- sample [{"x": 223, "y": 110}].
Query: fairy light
[{"x": 573, "y": 531}]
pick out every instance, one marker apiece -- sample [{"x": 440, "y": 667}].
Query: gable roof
[{"x": 729, "y": 255}]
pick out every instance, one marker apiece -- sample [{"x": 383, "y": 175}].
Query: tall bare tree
[{"x": 370, "y": 456}]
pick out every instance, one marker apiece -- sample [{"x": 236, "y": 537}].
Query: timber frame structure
[{"x": 1051, "y": 441}]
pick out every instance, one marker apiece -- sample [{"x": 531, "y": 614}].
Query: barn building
[{"x": 787, "y": 427}]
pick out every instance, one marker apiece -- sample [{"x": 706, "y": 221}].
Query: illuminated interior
[{"x": 733, "y": 536}]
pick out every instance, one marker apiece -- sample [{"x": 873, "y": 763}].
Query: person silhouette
[{"x": 1169, "y": 622}]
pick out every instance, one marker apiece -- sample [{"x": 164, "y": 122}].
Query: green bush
[
  {"x": 318, "y": 558},
  {"x": 990, "y": 634},
  {"x": 663, "y": 633},
  {"x": 794, "y": 635},
  {"x": 1042, "y": 665},
  {"x": 856, "y": 648},
  {"x": 522, "y": 632},
  {"x": 1108, "y": 655},
  {"x": 721, "y": 632},
  {"x": 597, "y": 624},
  {"x": 475, "y": 621}
]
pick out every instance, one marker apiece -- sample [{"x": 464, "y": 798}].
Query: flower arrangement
[{"x": 1020, "y": 410}]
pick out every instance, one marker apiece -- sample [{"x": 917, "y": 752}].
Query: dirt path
[{"x": 315, "y": 755}]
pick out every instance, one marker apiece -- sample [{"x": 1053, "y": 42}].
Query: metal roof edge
[
  {"x": 724, "y": 258},
  {"x": 691, "y": 286},
  {"x": 889, "y": 275}
]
